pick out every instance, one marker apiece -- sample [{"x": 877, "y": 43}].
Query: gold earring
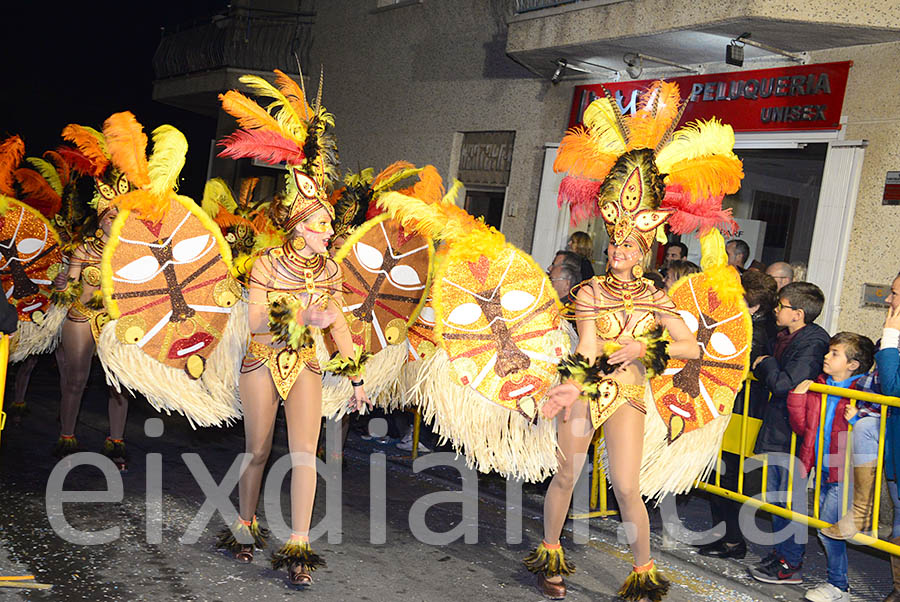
[
  {"x": 299, "y": 243},
  {"x": 637, "y": 271}
]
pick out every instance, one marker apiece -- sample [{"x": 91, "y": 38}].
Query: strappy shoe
[
  {"x": 114, "y": 449},
  {"x": 298, "y": 574}
]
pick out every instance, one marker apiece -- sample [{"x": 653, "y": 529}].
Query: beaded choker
[
  {"x": 627, "y": 290},
  {"x": 302, "y": 268}
]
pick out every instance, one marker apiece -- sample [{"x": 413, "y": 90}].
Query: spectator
[
  {"x": 580, "y": 243},
  {"x": 738, "y": 253},
  {"x": 759, "y": 293},
  {"x": 887, "y": 382},
  {"x": 782, "y": 272},
  {"x": 799, "y": 272},
  {"x": 677, "y": 270},
  {"x": 850, "y": 355},
  {"x": 565, "y": 274},
  {"x": 757, "y": 266},
  {"x": 796, "y": 355},
  {"x": 9, "y": 317},
  {"x": 675, "y": 251}
]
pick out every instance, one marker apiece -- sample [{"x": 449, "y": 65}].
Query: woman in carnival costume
[
  {"x": 295, "y": 292},
  {"x": 621, "y": 168}
]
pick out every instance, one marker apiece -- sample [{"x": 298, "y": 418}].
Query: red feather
[
  {"x": 581, "y": 196},
  {"x": 691, "y": 215},
  {"x": 46, "y": 207},
  {"x": 76, "y": 159},
  {"x": 261, "y": 144},
  {"x": 35, "y": 187}
]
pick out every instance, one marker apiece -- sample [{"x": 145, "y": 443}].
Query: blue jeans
[
  {"x": 865, "y": 440},
  {"x": 830, "y": 511},
  {"x": 777, "y": 481},
  {"x": 895, "y": 498}
]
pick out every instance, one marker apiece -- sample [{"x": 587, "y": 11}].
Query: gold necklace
[{"x": 303, "y": 268}]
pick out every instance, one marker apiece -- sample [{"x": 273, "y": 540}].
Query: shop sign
[
  {"x": 801, "y": 97},
  {"x": 486, "y": 157},
  {"x": 891, "y": 194}
]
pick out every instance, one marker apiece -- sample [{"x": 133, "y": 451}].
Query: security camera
[{"x": 561, "y": 65}]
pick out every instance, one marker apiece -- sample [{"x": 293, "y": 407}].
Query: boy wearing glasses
[{"x": 796, "y": 355}]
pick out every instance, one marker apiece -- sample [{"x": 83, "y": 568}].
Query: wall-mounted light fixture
[
  {"x": 561, "y": 65},
  {"x": 734, "y": 54}
]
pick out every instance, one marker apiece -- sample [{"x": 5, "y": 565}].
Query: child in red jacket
[{"x": 849, "y": 357}]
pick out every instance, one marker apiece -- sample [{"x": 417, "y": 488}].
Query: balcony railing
[
  {"x": 525, "y": 6},
  {"x": 245, "y": 40}
]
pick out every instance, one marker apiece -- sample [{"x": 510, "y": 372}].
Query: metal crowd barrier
[
  {"x": 4, "y": 357},
  {"x": 740, "y": 439}
]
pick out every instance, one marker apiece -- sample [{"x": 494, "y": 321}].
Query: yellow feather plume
[
  {"x": 600, "y": 118},
  {"x": 249, "y": 115},
  {"x": 150, "y": 206},
  {"x": 91, "y": 143},
  {"x": 169, "y": 151},
  {"x": 286, "y": 116},
  {"x": 659, "y": 105},
  {"x": 580, "y": 154},
  {"x": 127, "y": 145},
  {"x": 707, "y": 176},
  {"x": 697, "y": 139},
  {"x": 46, "y": 169},
  {"x": 217, "y": 194}
]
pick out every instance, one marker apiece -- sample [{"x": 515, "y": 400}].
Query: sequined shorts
[{"x": 611, "y": 396}]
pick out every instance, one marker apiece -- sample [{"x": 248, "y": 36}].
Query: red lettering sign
[{"x": 802, "y": 97}]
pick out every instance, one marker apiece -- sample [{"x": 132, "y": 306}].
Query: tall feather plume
[
  {"x": 580, "y": 154},
  {"x": 318, "y": 105},
  {"x": 580, "y": 194},
  {"x": 394, "y": 173},
  {"x": 60, "y": 165},
  {"x": 165, "y": 164},
  {"x": 261, "y": 144},
  {"x": 217, "y": 195},
  {"x": 48, "y": 172},
  {"x": 248, "y": 185},
  {"x": 600, "y": 120},
  {"x": 659, "y": 105},
  {"x": 37, "y": 192},
  {"x": 667, "y": 136},
  {"x": 127, "y": 145},
  {"x": 280, "y": 106},
  {"x": 249, "y": 115},
  {"x": 617, "y": 114},
  {"x": 11, "y": 152},
  {"x": 77, "y": 160},
  {"x": 91, "y": 143},
  {"x": 294, "y": 94},
  {"x": 709, "y": 176},
  {"x": 694, "y": 140},
  {"x": 430, "y": 187}
]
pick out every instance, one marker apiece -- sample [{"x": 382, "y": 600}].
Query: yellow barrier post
[
  {"x": 845, "y": 491},
  {"x": 879, "y": 466},
  {"x": 417, "y": 425},
  {"x": 790, "y": 491},
  {"x": 745, "y": 424},
  {"x": 4, "y": 359},
  {"x": 821, "y": 444}
]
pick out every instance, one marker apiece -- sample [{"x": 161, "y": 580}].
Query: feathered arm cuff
[
  {"x": 96, "y": 300},
  {"x": 285, "y": 326},
  {"x": 655, "y": 355},
  {"x": 68, "y": 295},
  {"x": 352, "y": 367},
  {"x": 576, "y": 368}
]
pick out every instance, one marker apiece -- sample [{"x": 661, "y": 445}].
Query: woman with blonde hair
[{"x": 581, "y": 244}]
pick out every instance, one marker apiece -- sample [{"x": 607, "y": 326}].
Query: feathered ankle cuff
[
  {"x": 577, "y": 368},
  {"x": 297, "y": 552},
  {"x": 548, "y": 561},
  {"x": 68, "y": 295},
  {"x": 285, "y": 326},
  {"x": 352, "y": 367},
  {"x": 242, "y": 534},
  {"x": 645, "y": 582}
]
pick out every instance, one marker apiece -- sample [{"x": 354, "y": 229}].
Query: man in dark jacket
[
  {"x": 9, "y": 318},
  {"x": 796, "y": 355}
]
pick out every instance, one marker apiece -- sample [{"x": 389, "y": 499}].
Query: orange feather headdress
[
  {"x": 287, "y": 130},
  {"x": 638, "y": 171}
]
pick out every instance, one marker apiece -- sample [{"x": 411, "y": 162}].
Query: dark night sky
[{"x": 79, "y": 62}]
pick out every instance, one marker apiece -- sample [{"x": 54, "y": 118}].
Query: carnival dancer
[
  {"x": 620, "y": 168},
  {"x": 80, "y": 292},
  {"x": 295, "y": 290}
]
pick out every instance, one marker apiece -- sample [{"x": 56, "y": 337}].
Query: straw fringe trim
[{"x": 34, "y": 339}]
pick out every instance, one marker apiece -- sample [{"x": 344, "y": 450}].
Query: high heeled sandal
[
  {"x": 114, "y": 449},
  {"x": 300, "y": 561},
  {"x": 233, "y": 539},
  {"x": 245, "y": 554},
  {"x": 299, "y": 575}
]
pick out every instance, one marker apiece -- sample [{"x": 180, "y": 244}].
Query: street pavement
[{"x": 360, "y": 567}]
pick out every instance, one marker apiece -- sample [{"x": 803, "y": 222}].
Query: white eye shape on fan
[
  {"x": 190, "y": 248},
  {"x": 690, "y": 320},
  {"x": 370, "y": 257},
  {"x": 722, "y": 345},
  {"x": 427, "y": 315},
  {"x": 139, "y": 270},
  {"x": 465, "y": 314},
  {"x": 28, "y": 246},
  {"x": 404, "y": 275},
  {"x": 516, "y": 300}
]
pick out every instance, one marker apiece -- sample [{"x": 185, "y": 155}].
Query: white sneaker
[
  {"x": 827, "y": 593},
  {"x": 406, "y": 443}
]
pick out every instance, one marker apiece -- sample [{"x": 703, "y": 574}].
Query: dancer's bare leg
[
  {"x": 303, "y": 412},
  {"x": 574, "y": 437},
  {"x": 260, "y": 404},
  {"x": 624, "y": 434},
  {"x": 23, "y": 377},
  {"x": 118, "y": 413},
  {"x": 78, "y": 347}
]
